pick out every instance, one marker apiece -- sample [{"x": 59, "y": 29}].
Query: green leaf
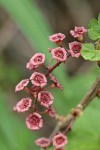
[
  {"x": 94, "y": 29},
  {"x": 88, "y": 52},
  {"x": 93, "y": 34},
  {"x": 93, "y": 24}
]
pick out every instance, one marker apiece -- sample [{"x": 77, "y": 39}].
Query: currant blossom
[
  {"x": 59, "y": 54},
  {"x": 75, "y": 48},
  {"x": 38, "y": 79},
  {"x": 59, "y": 140},
  {"x": 34, "y": 121},
  {"x": 20, "y": 86},
  {"x": 78, "y": 32},
  {"x": 30, "y": 66},
  {"x": 37, "y": 60},
  {"x": 23, "y": 105},
  {"x": 45, "y": 98},
  {"x": 43, "y": 142},
  {"x": 58, "y": 37}
]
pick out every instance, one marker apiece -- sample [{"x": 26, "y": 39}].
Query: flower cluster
[{"x": 36, "y": 86}]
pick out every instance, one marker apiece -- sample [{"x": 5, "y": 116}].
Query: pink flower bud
[
  {"x": 43, "y": 142},
  {"x": 23, "y": 105},
  {"x": 56, "y": 82},
  {"x": 45, "y": 98},
  {"x": 38, "y": 79},
  {"x": 78, "y": 32},
  {"x": 59, "y": 140},
  {"x": 20, "y": 86},
  {"x": 51, "y": 112},
  {"x": 59, "y": 54},
  {"x": 34, "y": 121},
  {"x": 58, "y": 37},
  {"x": 75, "y": 48}
]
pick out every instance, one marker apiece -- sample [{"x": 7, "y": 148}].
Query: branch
[{"x": 67, "y": 122}]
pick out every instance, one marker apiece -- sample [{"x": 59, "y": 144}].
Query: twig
[{"x": 74, "y": 113}]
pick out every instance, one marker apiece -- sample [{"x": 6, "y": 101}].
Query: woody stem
[{"x": 71, "y": 117}]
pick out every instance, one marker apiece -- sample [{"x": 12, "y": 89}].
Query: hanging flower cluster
[{"x": 36, "y": 86}]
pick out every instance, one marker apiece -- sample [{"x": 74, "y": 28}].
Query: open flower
[
  {"x": 59, "y": 140},
  {"x": 38, "y": 79},
  {"x": 78, "y": 32},
  {"x": 43, "y": 142},
  {"x": 37, "y": 60},
  {"x": 34, "y": 121},
  {"x": 58, "y": 37},
  {"x": 75, "y": 48},
  {"x": 20, "y": 86},
  {"x": 30, "y": 66},
  {"x": 23, "y": 105},
  {"x": 59, "y": 54},
  {"x": 45, "y": 98}
]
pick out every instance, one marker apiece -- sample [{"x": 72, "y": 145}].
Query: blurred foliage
[
  {"x": 8, "y": 75},
  {"x": 13, "y": 132},
  {"x": 14, "y": 135}
]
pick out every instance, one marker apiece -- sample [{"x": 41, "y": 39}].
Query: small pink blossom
[
  {"x": 75, "y": 48},
  {"x": 30, "y": 66},
  {"x": 34, "y": 121},
  {"x": 20, "y": 86},
  {"x": 59, "y": 140},
  {"x": 59, "y": 54},
  {"x": 78, "y": 32},
  {"x": 23, "y": 105},
  {"x": 37, "y": 60},
  {"x": 58, "y": 37},
  {"x": 38, "y": 79},
  {"x": 55, "y": 82},
  {"x": 43, "y": 142},
  {"x": 51, "y": 112},
  {"x": 45, "y": 98}
]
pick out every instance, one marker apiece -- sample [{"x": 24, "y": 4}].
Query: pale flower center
[
  {"x": 59, "y": 140},
  {"x": 38, "y": 59},
  {"x": 59, "y": 54},
  {"x": 38, "y": 79}
]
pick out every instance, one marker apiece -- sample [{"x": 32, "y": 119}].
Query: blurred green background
[{"x": 24, "y": 29}]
